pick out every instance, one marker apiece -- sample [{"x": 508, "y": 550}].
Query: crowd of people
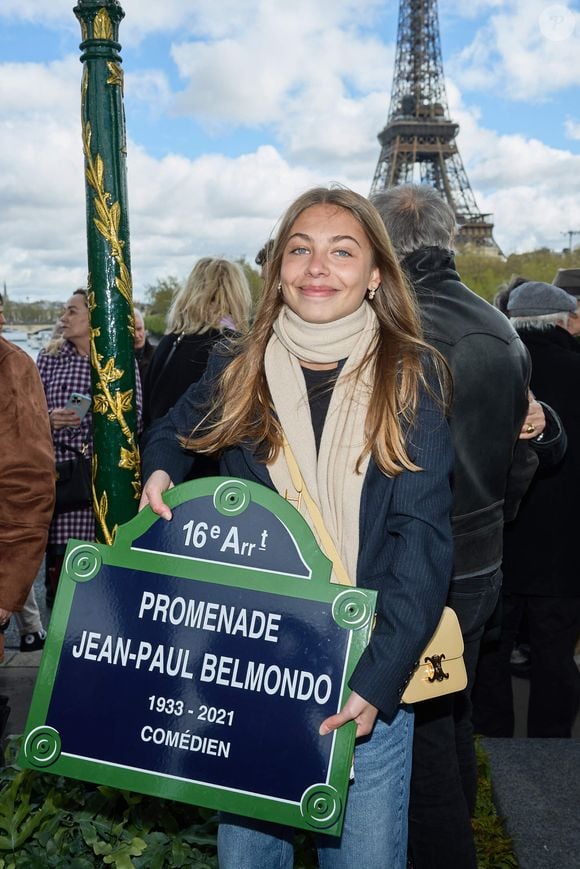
[{"x": 438, "y": 435}]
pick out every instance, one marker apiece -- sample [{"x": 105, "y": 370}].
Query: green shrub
[
  {"x": 155, "y": 324},
  {"x": 493, "y": 845},
  {"x": 48, "y": 821}
]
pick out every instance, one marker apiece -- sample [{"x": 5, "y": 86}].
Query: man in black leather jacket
[{"x": 490, "y": 369}]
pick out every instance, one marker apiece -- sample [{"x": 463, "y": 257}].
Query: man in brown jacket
[{"x": 26, "y": 477}]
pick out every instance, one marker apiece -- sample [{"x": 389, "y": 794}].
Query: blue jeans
[{"x": 375, "y": 825}]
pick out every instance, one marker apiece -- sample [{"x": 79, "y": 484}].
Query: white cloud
[
  {"x": 526, "y": 219},
  {"x": 36, "y": 10},
  {"x": 304, "y": 75},
  {"x": 241, "y": 18},
  {"x": 35, "y": 89},
  {"x": 141, "y": 18},
  {"x": 202, "y": 18},
  {"x": 149, "y": 87},
  {"x": 572, "y": 128},
  {"x": 277, "y": 65},
  {"x": 42, "y": 221},
  {"x": 527, "y": 50}
]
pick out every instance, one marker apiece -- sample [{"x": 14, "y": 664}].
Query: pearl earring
[
  {"x": 279, "y": 287},
  {"x": 371, "y": 293}
]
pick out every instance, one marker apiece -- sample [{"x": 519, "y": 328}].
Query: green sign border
[{"x": 322, "y": 805}]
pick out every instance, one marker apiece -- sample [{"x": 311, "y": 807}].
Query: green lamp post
[{"x": 116, "y": 481}]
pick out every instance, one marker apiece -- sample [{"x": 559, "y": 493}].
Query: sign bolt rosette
[{"x": 204, "y": 653}]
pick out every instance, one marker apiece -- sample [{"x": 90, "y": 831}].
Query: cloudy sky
[{"x": 235, "y": 106}]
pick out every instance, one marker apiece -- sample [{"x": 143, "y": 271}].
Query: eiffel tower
[{"x": 418, "y": 143}]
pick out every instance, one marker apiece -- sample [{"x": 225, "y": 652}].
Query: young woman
[{"x": 335, "y": 362}]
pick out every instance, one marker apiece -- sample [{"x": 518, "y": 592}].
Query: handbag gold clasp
[{"x": 438, "y": 673}]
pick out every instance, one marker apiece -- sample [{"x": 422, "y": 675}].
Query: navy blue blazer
[{"x": 406, "y": 550}]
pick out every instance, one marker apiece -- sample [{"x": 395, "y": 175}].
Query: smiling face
[{"x": 327, "y": 265}]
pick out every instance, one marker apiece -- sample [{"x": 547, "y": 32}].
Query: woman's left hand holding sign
[
  {"x": 356, "y": 709},
  {"x": 153, "y": 489}
]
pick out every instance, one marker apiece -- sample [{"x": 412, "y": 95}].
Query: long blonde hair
[
  {"x": 243, "y": 410},
  {"x": 215, "y": 293}
]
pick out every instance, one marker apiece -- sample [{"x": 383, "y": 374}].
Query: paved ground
[
  {"x": 536, "y": 788},
  {"x": 18, "y": 673},
  {"x": 17, "y": 678}
]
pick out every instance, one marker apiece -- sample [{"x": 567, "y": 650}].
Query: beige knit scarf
[{"x": 331, "y": 479}]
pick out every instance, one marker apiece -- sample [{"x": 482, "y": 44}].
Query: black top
[
  {"x": 541, "y": 546},
  {"x": 165, "y": 383},
  {"x": 319, "y": 386},
  {"x": 179, "y": 360}
]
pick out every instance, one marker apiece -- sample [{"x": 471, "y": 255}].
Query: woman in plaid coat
[{"x": 64, "y": 369}]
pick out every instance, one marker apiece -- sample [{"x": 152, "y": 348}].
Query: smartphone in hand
[{"x": 81, "y": 404}]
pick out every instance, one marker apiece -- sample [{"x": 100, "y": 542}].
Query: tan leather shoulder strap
[{"x": 316, "y": 516}]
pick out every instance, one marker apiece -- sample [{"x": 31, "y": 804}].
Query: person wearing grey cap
[
  {"x": 540, "y": 547},
  {"x": 534, "y": 299}
]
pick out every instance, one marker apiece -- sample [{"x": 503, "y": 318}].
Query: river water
[{"x": 31, "y": 343}]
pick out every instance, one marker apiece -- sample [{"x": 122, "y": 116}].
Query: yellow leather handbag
[{"x": 441, "y": 668}]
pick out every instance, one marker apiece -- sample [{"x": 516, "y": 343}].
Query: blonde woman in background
[{"x": 214, "y": 302}]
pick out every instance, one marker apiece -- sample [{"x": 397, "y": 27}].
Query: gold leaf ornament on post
[
  {"x": 116, "y": 467},
  {"x": 101, "y": 506},
  {"x": 107, "y": 223},
  {"x": 109, "y": 216},
  {"x": 115, "y": 74},
  {"x": 129, "y": 458},
  {"x": 103, "y": 29}
]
